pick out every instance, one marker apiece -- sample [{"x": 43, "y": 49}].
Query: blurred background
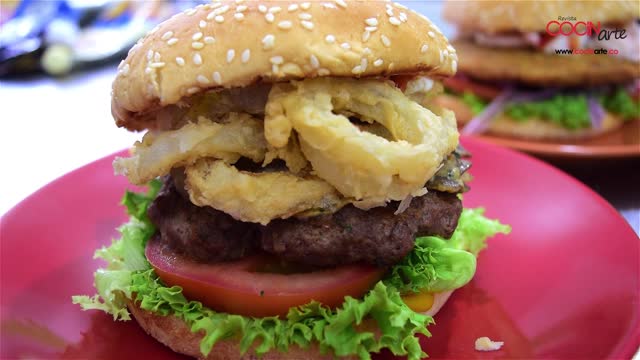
[{"x": 57, "y": 61}]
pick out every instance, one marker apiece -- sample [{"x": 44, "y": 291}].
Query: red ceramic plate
[{"x": 564, "y": 284}]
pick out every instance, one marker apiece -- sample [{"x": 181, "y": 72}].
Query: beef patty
[
  {"x": 350, "y": 235},
  {"x": 202, "y": 233}
]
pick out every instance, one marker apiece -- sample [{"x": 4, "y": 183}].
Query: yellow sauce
[{"x": 419, "y": 302}]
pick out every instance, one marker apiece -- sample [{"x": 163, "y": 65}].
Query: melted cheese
[{"x": 420, "y": 302}]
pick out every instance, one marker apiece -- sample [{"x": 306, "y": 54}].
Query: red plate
[{"x": 564, "y": 284}]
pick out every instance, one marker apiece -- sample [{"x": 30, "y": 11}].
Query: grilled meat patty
[
  {"x": 202, "y": 233},
  {"x": 350, "y": 235}
]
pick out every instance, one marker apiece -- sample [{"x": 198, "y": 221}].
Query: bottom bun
[
  {"x": 533, "y": 128},
  {"x": 176, "y": 334}
]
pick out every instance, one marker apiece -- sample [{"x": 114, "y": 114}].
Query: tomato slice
[
  {"x": 461, "y": 84},
  {"x": 258, "y": 285}
]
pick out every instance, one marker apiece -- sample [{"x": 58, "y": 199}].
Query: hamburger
[
  {"x": 552, "y": 70},
  {"x": 303, "y": 193}
]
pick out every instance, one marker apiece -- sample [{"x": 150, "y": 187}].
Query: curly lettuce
[
  {"x": 570, "y": 111},
  {"x": 435, "y": 264}
]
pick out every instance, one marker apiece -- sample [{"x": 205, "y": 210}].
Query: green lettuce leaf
[
  {"x": 436, "y": 264},
  {"x": 621, "y": 103},
  {"x": 123, "y": 257},
  {"x": 474, "y": 102},
  {"x": 567, "y": 110}
]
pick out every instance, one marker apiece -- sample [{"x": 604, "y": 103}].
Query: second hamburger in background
[{"x": 555, "y": 70}]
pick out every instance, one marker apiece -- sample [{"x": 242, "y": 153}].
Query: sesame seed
[
  {"x": 197, "y": 59},
  {"x": 215, "y": 5},
  {"x": 269, "y": 17},
  {"x": 314, "y": 61},
  {"x": 230, "y": 55},
  {"x": 156, "y": 56},
  {"x": 365, "y": 36},
  {"x": 197, "y": 45},
  {"x": 193, "y": 90},
  {"x": 307, "y": 24},
  {"x": 238, "y": 16},
  {"x": 246, "y": 54},
  {"x": 157, "y": 65},
  {"x": 305, "y": 6},
  {"x": 357, "y": 69},
  {"x": 403, "y": 17},
  {"x": 125, "y": 69},
  {"x": 166, "y": 36},
  {"x": 451, "y": 49},
  {"x": 190, "y": 12},
  {"x": 330, "y": 39},
  {"x": 424, "y": 48},
  {"x": 148, "y": 70},
  {"x": 217, "y": 78},
  {"x": 180, "y": 61},
  {"x": 454, "y": 66},
  {"x": 292, "y": 7},
  {"x": 172, "y": 41},
  {"x": 211, "y": 15},
  {"x": 202, "y": 79},
  {"x": 329, "y": 5},
  {"x": 277, "y": 60},
  {"x": 367, "y": 51},
  {"x": 197, "y": 36},
  {"x": 431, "y": 34},
  {"x": 149, "y": 55},
  {"x": 446, "y": 53},
  {"x": 389, "y": 12},
  {"x": 363, "y": 63},
  {"x": 385, "y": 40},
  {"x": 241, "y": 8},
  {"x": 378, "y": 62},
  {"x": 268, "y": 42},
  {"x": 371, "y": 28},
  {"x": 345, "y": 46},
  {"x": 323, "y": 72},
  {"x": 219, "y": 19},
  {"x": 262, "y": 8},
  {"x": 209, "y": 40},
  {"x": 203, "y": 24},
  {"x": 341, "y": 3},
  {"x": 221, "y": 10},
  {"x": 304, "y": 16},
  {"x": 394, "y": 21},
  {"x": 275, "y": 9},
  {"x": 371, "y": 22},
  {"x": 285, "y": 24}
]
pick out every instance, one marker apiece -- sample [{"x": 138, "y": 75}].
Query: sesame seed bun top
[
  {"x": 236, "y": 43},
  {"x": 533, "y": 16}
]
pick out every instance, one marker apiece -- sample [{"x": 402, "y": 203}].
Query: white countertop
[{"x": 52, "y": 126}]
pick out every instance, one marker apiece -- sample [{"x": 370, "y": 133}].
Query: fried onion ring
[
  {"x": 359, "y": 164},
  {"x": 257, "y": 197},
  {"x": 240, "y": 135}
]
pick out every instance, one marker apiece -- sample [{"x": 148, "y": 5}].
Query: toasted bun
[
  {"x": 531, "y": 129},
  {"x": 174, "y": 333},
  {"x": 525, "y": 16},
  {"x": 540, "y": 69},
  {"x": 229, "y": 44}
]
